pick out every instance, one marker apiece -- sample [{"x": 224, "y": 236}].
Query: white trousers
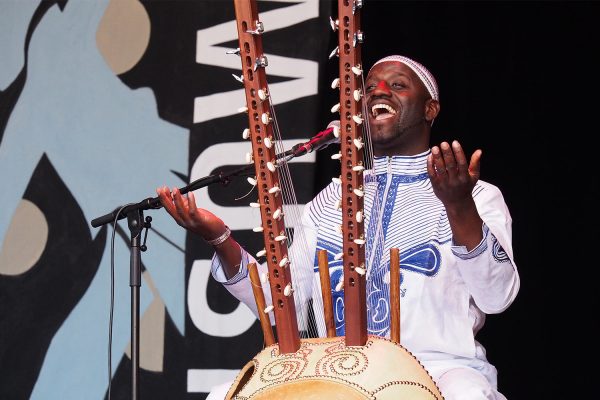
[{"x": 466, "y": 384}]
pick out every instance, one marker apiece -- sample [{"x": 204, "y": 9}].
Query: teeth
[{"x": 375, "y": 109}]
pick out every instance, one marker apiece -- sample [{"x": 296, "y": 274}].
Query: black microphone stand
[
  {"x": 136, "y": 225},
  {"x": 134, "y": 213}
]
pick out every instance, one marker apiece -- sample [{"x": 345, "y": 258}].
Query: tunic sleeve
[
  {"x": 240, "y": 285},
  {"x": 489, "y": 270}
]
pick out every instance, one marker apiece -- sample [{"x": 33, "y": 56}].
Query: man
[{"x": 453, "y": 230}]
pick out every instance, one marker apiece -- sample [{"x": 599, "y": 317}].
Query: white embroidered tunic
[{"x": 445, "y": 289}]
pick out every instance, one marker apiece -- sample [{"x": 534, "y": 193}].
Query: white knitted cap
[{"x": 422, "y": 72}]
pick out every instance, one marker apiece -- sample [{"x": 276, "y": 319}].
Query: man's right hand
[{"x": 184, "y": 211}]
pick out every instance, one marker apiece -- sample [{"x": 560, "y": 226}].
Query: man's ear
[{"x": 432, "y": 109}]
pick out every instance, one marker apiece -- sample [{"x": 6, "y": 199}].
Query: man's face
[{"x": 396, "y": 100}]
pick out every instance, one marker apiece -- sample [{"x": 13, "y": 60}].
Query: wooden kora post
[
  {"x": 259, "y": 297},
  {"x": 395, "y": 295},
  {"x": 325, "y": 280}
]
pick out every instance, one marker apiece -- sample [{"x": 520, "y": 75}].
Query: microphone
[{"x": 319, "y": 141}]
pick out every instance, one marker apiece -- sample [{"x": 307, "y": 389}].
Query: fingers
[
  {"x": 180, "y": 203},
  {"x": 451, "y": 161},
  {"x": 443, "y": 161},
  {"x": 437, "y": 163},
  {"x": 452, "y": 177},
  {"x": 475, "y": 164},
  {"x": 191, "y": 203},
  {"x": 460, "y": 158},
  {"x": 166, "y": 199},
  {"x": 182, "y": 208},
  {"x": 164, "y": 195}
]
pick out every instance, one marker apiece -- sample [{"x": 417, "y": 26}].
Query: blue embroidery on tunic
[
  {"x": 336, "y": 273},
  {"x": 497, "y": 251},
  {"x": 424, "y": 258}
]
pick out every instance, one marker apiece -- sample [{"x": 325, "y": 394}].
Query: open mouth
[{"x": 382, "y": 111}]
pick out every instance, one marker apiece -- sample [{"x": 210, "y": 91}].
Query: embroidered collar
[{"x": 402, "y": 165}]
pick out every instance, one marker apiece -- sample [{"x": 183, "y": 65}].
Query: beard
[
  {"x": 396, "y": 131},
  {"x": 406, "y": 133}
]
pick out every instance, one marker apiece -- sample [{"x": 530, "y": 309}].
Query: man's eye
[
  {"x": 369, "y": 88},
  {"x": 397, "y": 85}
]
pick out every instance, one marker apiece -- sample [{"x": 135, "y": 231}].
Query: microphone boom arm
[{"x": 153, "y": 203}]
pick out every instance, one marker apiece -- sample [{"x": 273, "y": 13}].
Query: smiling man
[
  {"x": 403, "y": 98},
  {"x": 452, "y": 229}
]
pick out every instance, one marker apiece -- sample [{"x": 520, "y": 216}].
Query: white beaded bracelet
[{"x": 220, "y": 239}]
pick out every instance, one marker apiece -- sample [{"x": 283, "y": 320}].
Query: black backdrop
[{"x": 519, "y": 81}]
